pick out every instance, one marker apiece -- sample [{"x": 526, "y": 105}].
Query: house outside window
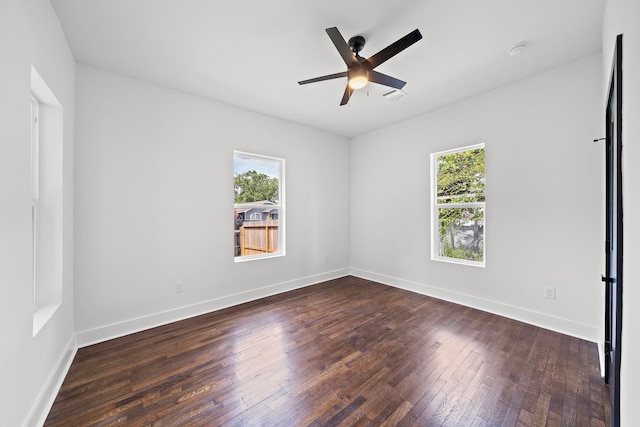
[
  {"x": 258, "y": 206},
  {"x": 458, "y": 205}
]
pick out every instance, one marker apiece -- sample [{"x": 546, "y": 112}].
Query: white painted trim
[
  {"x": 601, "y": 357},
  {"x": 41, "y": 91},
  {"x": 44, "y": 402},
  {"x": 435, "y": 239},
  {"x": 41, "y": 316},
  {"x": 557, "y": 324},
  {"x": 46, "y": 397},
  {"x": 282, "y": 210},
  {"x": 459, "y": 149},
  {"x": 115, "y": 330}
]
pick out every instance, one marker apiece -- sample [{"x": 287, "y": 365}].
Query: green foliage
[
  {"x": 461, "y": 233},
  {"x": 460, "y": 180},
  {"x": 252, "y": 186},
  {"x": 462, "y": 253},
  {"x": 461, "y": 177}
]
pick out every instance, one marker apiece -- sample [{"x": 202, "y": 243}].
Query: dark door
[{"x": 613, "y": 238}]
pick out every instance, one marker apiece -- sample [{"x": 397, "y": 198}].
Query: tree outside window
[
  {"x": 258, "y": 206},
  {"x": 459, "y": 205}
]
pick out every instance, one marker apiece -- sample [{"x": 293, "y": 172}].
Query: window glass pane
[
  {"x": 257, "y": 185},
  {"x": 460, "y": 177},
  {"x": 461, "y": 233}
]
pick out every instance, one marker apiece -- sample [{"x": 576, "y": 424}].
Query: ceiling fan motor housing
[
  {"x": 360, "y": 70},
  {"x": 356, "y": 43}
]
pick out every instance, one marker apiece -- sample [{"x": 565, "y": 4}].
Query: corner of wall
[
  {"x": 49, "y": 391},
  {"x": 543, "y": 320},
  {"x": 107, "y": 332}
]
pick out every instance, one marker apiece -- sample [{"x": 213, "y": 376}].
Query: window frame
[
  {"x": 435, "y": 207},
  {"x": 35, "y": 196},
  {"x": 281, "y": 205},
  {"x": 47, "y": 175}
]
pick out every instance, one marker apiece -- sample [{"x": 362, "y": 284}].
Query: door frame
[{"x": 614, "y": 233}]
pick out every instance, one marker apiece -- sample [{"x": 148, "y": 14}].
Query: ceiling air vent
[{"x": 394, "y": 94}]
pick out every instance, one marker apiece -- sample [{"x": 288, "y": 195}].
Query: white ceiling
[{"x": 252, "y": 53}]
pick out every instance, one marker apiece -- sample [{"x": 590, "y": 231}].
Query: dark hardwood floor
[{"x": 345, "y": 352}]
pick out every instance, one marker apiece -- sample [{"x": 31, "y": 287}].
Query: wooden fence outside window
[{"x": 258, "y": 237}]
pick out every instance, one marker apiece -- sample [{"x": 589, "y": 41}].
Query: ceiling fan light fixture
[
  {"x": 360, "y": 70},
  {"x": 358, "y": 78}
]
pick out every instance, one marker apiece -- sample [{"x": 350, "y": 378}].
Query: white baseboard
[
  {"x": 49, "y": 392},
  {"x": 602, "y": 358},
  {"x": 115, "y": 330},
  {"x": 564, "y": 326},
  {"x": 47, "y": 396}
]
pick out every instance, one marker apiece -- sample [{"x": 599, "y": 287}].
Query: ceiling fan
[{"x": 360, "y": 71}]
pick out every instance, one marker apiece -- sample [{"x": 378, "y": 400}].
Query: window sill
[
  {"x": 257, "y": 257},
  {"x": 459, "y": 261},
  {"x": 42, "y": 315}
]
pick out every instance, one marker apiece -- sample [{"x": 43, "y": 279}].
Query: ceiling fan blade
[
  {"x": 383, "y": 79},
  {"x": 393, "y": 49},
  {"x": 322, "y": 78},
  {"x": 342, "y": 46},
  {"x": 347, "y": 94}
]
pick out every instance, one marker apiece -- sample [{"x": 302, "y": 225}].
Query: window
[
  {"x": 35, "y": 208},
  {"x": 258, "y": 185},
  {"x": 458, "y": 205},
  {"x": 46, "y": 201}
]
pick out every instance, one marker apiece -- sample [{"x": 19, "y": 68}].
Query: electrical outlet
[
  {"x": 179, "y": 287},
  {"x": 550, "y": 293}
]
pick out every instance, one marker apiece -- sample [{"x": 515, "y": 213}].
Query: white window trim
[
  {"x": 35, "y": 202},
  {"x": 435, "y": 240},
  {"x": 47, "y": 187},
  {"x": 281, "y": 210}
]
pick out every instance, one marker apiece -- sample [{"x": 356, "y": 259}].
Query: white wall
[
  {"x": 621, "y": 17},
  {"x": 154, "y": 200},
  {"x": 544, "y": 214},
  {"x": 31, "y": 367}
]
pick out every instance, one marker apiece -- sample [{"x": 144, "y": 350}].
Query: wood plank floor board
[{"x": 347, "y": 352}]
